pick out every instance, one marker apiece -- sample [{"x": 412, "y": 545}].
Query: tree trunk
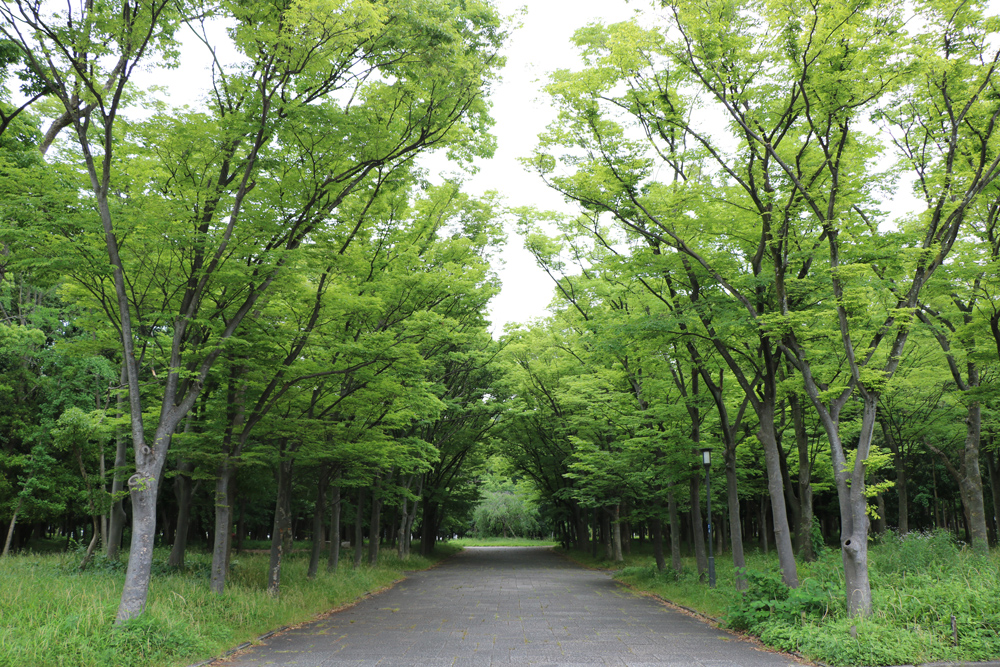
[
  {"x": 972, "y": 482},
  {"x": 805, "y": 481},
  {"x": 782, "y": 538},
  {"x": 359, "y": 528},
  {"x": 616, "y": 534},
  {"x": 375, "y": 522},
  {"x": 182, "y": 491},
  {"x": 854, "y": 513},
  {"x": 763, "y": 509},
  {"x": 661, "y": 562},
  {"x": 792, "y": 503},
  {"x": 104, "y": 490},
  {"x": 606, "y": 539},
  {"x": 406, "y": 524},
  {"x": 116, "y": 524},
  {"x": 899, "y": 461},
  {"x": 334, "y": 559},
  {"x": 223, "y": 510},
  {"x": 10, "y": 528},
  {"x": 697, "y": 529},
  {"x": 241, "y": 528},
  {"x": 969, "y": 479},
  {"x": 994, "y": 467},
  {"x": 401, "y": 546},
  {"x": 282, "y": 524},
  {"x": 580, "y": 525},
  {"x": 428, "y": 533},
  {"x": 675, "y": 530},
  {"x": 596, "y": 533},
  {"x": 735, "y": 523},
  {"x": 230, "y": 503},
  {"x": 319, "y": 521},
  {"x": 142, "y": 490},
  {"x": 879, "y": 525},
  {"x": 92, "y": 546}
]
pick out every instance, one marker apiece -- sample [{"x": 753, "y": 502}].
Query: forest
[{"x": 263, "y": 319}]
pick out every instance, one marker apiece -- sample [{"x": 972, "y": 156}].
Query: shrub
[{"x": 768, "y": 600}]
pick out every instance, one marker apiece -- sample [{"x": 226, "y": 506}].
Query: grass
[
  {"x": 53, "y": 616},
  {"x": 918, "y": 583},
  {"x": 501, "y": 542}
]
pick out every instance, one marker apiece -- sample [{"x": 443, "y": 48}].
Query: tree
[
  {"x": 794, "y": 84},
  {"x": 279, "y": 153}
]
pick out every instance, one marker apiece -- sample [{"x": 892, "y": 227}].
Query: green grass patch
[
  {"x": 918, "y": 583},
  {"x": 54, "y": 616},
  {"x": 501, "y": 542}
]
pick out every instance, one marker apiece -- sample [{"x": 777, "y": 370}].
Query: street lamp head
[{"x": 706, "y": 457}]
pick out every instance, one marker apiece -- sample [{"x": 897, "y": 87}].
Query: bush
[{"x": 768, "y": 600}]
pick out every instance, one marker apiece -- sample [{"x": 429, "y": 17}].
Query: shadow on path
[{"x": 507, "y": 606}]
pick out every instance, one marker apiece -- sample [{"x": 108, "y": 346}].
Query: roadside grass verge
[
  {"x": 918, "y": 583},
  {"x": 53, "y": 616},
  {"x": 501, "y": 542}
]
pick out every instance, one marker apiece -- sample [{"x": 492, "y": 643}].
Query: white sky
[{"x": 539, "y": 46}]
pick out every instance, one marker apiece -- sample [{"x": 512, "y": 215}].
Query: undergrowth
[
  {"x": 918, "y": 583},
  {"x": 52, "y": 615}
]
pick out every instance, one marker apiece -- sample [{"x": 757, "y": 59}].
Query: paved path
[{"x": 507, "y": 606}]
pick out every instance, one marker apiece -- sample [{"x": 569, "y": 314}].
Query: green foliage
[
  {"x": 500, "y": 513},
  {"x": 768, "y": 600}
]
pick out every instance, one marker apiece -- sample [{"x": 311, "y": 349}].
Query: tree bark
[
  {"x": 972, "y": 482},
  {"x": 764, "y": 508},
  {"x": 359, "y": 528},
  {"x": 319, "y": 521},
  {"x": 697, "y": 529},
  {"x": 142, "y": 491},
  {"x": 280, "y": 535},
  {"x": 428, "y": 532},
  {"x": 969, "y": 478},
  {"x": 782, "y": 538},
  {"x": 116, "y": 524},
  {"x": 661, "y": 562},
  {"x": 92, "y": 546},
  {"x": 10, "y": 527},
  {"x": 182, "y": 491},
  {"x": 879, "y": 525},
  {"x": 675, "y": 530},
  {"x": 333, "y": 561},
  {"x": 854, "y": 516},
  {"x": 899, "y": 462},
  {"x": 792, "y": 503},
  {"x": 616, "y": 534},
  {"x": 805, "y": 481},
  {"x": 375, "y": 521},
  {"x": 993, "y": 465},
  {"x": 580, "y": 524},
  {"x": 735, "y": 523},
  {"x": 223, "y": 510}
]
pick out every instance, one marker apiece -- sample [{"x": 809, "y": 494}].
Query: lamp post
[{"x": 706, "y": 460}]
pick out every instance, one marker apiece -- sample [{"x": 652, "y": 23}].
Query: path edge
[{"x": 321, "y": 615}]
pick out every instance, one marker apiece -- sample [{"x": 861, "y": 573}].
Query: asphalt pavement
[{"x": 508, "y": 606}]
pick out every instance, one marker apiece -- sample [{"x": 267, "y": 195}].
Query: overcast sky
[{"x": 539, "y": 46}]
